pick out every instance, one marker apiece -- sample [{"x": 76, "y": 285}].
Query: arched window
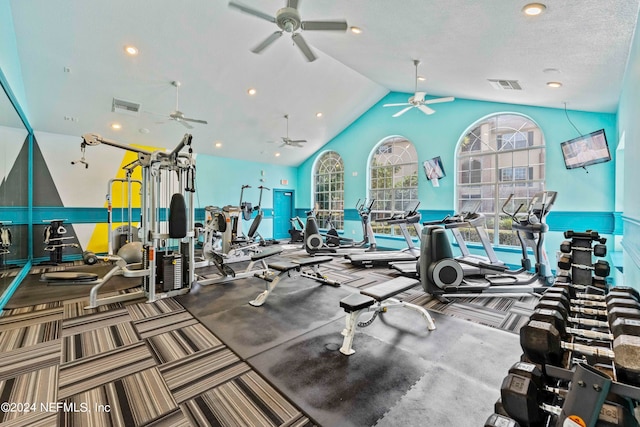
[
  {"x": 328, "y": 179},
  {"x": 394, "y": 180},
  {"x": 501, "y": 155}
]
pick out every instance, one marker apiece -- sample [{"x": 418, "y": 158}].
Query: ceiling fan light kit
[
  {"x": 417, "y": 100},
  {"x": 288, "y": 20}
]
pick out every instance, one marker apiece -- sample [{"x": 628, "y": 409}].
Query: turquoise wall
[
  {"x": 218, "y": 182},
  {"x": 585, "y": 200},
  {"x": 629, "y": 126}
]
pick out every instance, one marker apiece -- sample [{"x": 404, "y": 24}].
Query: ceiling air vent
[
  {"x": 505, "y": 84},
  {"x": 125, "y": 107}
]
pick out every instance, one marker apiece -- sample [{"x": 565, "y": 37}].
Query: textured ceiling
[{"x": 206, "y": 46}]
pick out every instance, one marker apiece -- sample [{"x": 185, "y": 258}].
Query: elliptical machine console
[{"x": 442, "y": 275}]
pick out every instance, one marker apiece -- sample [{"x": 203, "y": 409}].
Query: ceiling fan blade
[
  {"x": 438, "y": 100},
  {"x": 252, "y": 11},
  {"x": 425, "y": 109},
  {"x": 265, "y": 44},
  {"x": 396, "y": 105},
  {"x": 183, "y": 123},
  {"x": 324, "y": 25},
  {"x": 292, "y": 4},
  {"x": 187, "y": 119},
  {"x": 401, "y": 112},
  {"x": 297, "y": 141},
  {"x": 304, "y": 47}
]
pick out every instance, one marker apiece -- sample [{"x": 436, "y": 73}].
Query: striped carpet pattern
[{"x": 128, "y": 364}]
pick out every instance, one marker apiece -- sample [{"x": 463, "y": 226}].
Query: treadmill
[{"x": 383, "y": 258}]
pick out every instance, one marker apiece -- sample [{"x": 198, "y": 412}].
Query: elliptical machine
[
  {"x": 314, "y": 242},
  {"x": 442, "y": 275}
]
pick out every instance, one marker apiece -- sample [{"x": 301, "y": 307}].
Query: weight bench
[
  {"x": 377, "y": 299},
  {"x": 293, "y": 268},
  {"x": 227, "y": 273},
  {"x": 69, "y": 278}
]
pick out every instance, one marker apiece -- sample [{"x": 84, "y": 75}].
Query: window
[
  {"x": 393, "y": 180},
  {"x": 501, "y": 155},
  {"x": 329, "y": 189}
]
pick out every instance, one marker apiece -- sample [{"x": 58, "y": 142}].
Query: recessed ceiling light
[
  {"x": 421, "y": 78},
  {"x": 534, "y": 9},
  {"x": 143, "y": 130},
  {"x": 131, "y": 50},
  {"x": 116, "y": 126},
  {"x": 554, "y": 84},
  {"x": 218, "y": 144},
  {"x": 318, "y": 114},
  {"x": 251, "y": 91},
  {"x": 356, "y": 30},
  {"x": 277, "y": 154}
]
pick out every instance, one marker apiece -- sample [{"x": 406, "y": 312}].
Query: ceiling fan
[
  {"x": 417, "y": 100},
  {"x": 288, "y": 20},
  {"x": 178, "y": 115},
  {"x": 288, "y": 142}
]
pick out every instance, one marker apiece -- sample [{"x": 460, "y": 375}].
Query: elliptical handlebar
[{"x": 512, "y": 215}]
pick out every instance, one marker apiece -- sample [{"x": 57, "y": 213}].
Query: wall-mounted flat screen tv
[{"x": 586, "y": 150}]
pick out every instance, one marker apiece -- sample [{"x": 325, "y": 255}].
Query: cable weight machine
[{"x": 166, "y": 224}]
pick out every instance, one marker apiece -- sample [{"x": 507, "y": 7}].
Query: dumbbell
[
  {"x": 598, "y": 249},
  {"x": 617, "y": 299},
  {"x": 525, "y": 403},
  {"x": 558, "y": 304},
  {"x": 89, "y": 257},
  {"x": 542, "y": 343},
  {"x": 589, "y": 234},
  {"x": 564, "y": 276},
  {"x": 617, "y": 307},
  {"x": 594, "y": 293},
  {"x": 600, "y": 268},
  {"x": 555, "y": 318}
]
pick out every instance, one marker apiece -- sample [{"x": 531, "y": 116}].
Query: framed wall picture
[{"x": 433, "y": 169}]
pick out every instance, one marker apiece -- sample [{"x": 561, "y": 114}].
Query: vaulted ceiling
[{"x": 73, "y": 64}]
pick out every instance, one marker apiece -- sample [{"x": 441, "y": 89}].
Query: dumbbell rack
[
  {"x": 54, "y": 237},
  {"x": 580, "y": 326},
  {"x": 5, "y": 242}
]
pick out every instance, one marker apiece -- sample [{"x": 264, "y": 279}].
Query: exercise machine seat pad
[
  {"x": 177, "y": 217},
  {"x": 283, "y": 265},
  {"x": 312, "y": 260},
  {"x": 388, "y": 289},
  {"x": 76, "y": 276},
  {"x": 355, "y": 302},
  {"x": 265, "y": 254},
  {"x": 298, "y": 263}
]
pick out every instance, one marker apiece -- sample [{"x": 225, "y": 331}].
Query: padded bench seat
[
  {"x": 266, "y": 253},
  {"x": 357, "y": 304},
  {"x": 389, "y": 289},
  {"x": 68, "y": 276}
]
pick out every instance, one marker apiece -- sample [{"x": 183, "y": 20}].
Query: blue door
[{"x": 282, "y": 213}]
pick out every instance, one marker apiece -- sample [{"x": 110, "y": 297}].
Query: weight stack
[
  {"x": 145, "y": 266},
  {"x": 171, "y": 272}
]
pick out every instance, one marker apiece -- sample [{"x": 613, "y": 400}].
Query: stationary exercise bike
[
  {"x": 442, "y": 275},
  {"x": 314, "y": 242}
]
